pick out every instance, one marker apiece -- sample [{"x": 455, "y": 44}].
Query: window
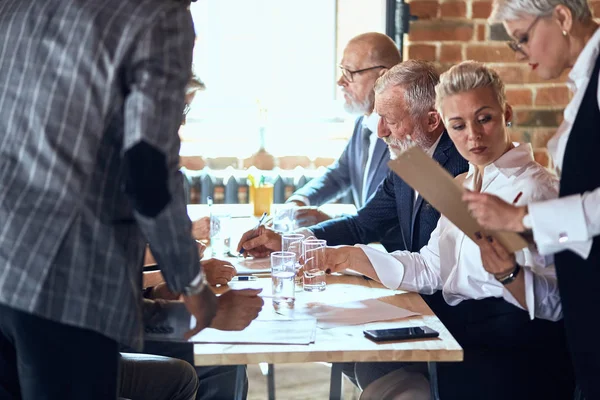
[{"x": 270, "y": 68}]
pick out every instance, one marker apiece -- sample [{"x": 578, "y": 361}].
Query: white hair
[
  {"x": 418, "y": 79},
  {"x": 510, "y": 10},
  {"x": 467, "y": 76}
]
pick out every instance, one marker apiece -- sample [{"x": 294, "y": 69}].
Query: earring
[
  {"x": 509, "y": 124},
  {"x": 564, "y": 33}
]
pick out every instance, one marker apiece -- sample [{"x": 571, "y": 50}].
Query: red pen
[{"x": 517, "y": 198}]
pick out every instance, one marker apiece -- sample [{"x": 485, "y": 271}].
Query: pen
[
  {"x": 257, "y": 226},
  {"x": 517, "y": 198},
  {"x": 244, "y": 278}
]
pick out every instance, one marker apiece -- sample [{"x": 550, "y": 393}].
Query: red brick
[
  {"x": 482, "y": 32},
  {"x": 323, "y": 162},
  {"x": 481, "y": 9},
  {"x": 489, "y": 52},
  {"x": 194, "y": 163},
  {"x": 457, "y": 9},
  {"x": 424, "y": 9},
  {"x": 519, "y": 97},
  {"x": 291, "y": 162},
  {"x": 421, "y": 52},
  {"x": 511, "y": 73},
  {"x": 538, "y": 118},
  {"x": 595, "y": 6},
  {"x": 451, "y": 53},
  {"x": 553, "y": 96},
  {"x": 441, "y": 31}
]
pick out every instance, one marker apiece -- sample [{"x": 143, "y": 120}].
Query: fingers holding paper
[{"x": 493, "y": 213}]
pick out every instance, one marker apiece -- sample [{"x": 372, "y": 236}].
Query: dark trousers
[
  {"x": 215, "y": 382},
  {"x": 45, "y": 360}
]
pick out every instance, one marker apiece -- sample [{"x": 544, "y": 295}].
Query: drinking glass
[
  {"x": 283, "y": 270},
  {"x": 314, "y": 256},
  {"x": 292, "y": 242},
  {"x": 220, "y": 235},
  {"x": 283, "y": 218}
]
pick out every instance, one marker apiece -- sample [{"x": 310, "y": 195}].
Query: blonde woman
[
  {"x": 553, "y": 36},
  {"x": 501, "y": 306}
]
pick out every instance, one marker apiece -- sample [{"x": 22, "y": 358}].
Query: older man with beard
[{"x": 363, "y": 164}]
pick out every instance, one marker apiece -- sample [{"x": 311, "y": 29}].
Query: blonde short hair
[
  {"x": 510, "y": 10},
  {"x": 466, "y": 76},
  {"x": 418, "y": 78}
]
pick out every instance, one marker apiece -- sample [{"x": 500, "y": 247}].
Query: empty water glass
[
  {"x": 292, "y": 242},
  {"x": 314, "y": 258},
  {"x": 283, "y": 218},
  {"x": 283, "y": 270},
  {"x": 220, "y": 234}
]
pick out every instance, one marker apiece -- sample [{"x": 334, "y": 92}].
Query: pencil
[
  {"x": 257, "y": 226},
  {"x": 517, "y": 198}
]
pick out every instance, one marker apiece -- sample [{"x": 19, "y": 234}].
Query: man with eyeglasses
[{"x": 363, "y": 164}]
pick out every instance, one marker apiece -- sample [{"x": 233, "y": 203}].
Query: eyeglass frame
[
  {"x": 358, "y": 71},
  {"x": 517, "y": 45}
]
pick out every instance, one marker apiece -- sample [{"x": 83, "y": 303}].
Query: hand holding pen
[{"x": 259, "y": 242}]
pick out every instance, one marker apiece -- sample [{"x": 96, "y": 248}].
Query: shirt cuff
[
  {"x": 297, "y": 197},
  {"x": 560, "y": 224},
  {"x": 390, "y": 271}
]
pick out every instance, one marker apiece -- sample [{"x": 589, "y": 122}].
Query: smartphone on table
[{"x": 413, "y": 332}]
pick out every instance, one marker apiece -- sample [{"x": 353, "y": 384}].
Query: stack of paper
[
  {"x": 249, "y": 266},
  {"x": 276, "y": 331}
]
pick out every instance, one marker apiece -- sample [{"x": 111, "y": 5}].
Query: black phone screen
[{"x": 414, "y": 332}]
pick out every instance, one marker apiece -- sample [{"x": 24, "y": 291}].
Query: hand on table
[
  {"x": 343, "y": 257},
  {"x": 309, "y": 216},
  {"x": 218, "y": 272},
  {"x": 260, "y": 242},
  {"x": 237, "y": 309}
]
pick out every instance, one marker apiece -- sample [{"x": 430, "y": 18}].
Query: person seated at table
[
  {"x": 363, "y": 164},
  {"x": 513, "y": 347}
]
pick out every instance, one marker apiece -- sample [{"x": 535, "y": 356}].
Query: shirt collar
[
  {"x": 585, "y": 62},
  {"x": 509, "y": 163},
  {"x": 371, "y": 121}
]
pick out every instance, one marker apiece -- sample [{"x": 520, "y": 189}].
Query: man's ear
[
  {"x": 434, "y": 120},
  {"x": 382, "y": 71}
]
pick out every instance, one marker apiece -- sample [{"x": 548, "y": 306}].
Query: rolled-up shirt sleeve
[
  {"x": 159, "y": 71},
  {"x": 415, "y": 272},
  {"x": 567, "y": 223}
]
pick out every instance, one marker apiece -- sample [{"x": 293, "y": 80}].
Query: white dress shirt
[
  {"x": 451, "y": 261},
  {"x": 570, "y": 222}
]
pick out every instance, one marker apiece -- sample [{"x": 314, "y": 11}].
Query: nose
[
  {"x": 382, "y": 129},
  {"x": 342, "y": 81},
  {"x": 474, "y": 132}
]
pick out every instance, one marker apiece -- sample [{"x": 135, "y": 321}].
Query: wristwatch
[
  {"x": 505, "y": 280},
  {"x": 196, "y": 285}
]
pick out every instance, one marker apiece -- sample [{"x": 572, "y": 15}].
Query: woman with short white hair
[{"x": 552, "y": 36}]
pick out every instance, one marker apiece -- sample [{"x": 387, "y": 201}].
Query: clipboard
[{"x": 443, "y": 192}]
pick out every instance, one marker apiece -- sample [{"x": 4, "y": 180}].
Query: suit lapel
[{"x": 441, "y": 156}]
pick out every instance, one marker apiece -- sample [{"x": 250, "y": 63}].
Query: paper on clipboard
[{"x": 440, "y": 189}]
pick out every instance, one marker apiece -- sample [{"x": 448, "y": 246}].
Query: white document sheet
[
  {"x": 354, "y": 313},
  {"x": 249, "y": 266},
  {"x": 264, "y": 331}
]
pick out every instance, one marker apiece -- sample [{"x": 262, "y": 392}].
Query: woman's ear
[
  {"x": 564, "y": 18},
  {"x": 508, "y": 114},
  {"x": 434, "y": 120}
]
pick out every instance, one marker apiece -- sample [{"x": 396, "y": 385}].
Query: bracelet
[
  {"x": 196, "y": 286},
  {"x": 505, "y": 280}
]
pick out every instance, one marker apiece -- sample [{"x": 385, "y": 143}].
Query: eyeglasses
[
  {"x": 349, "y": 75},
  {"x": 517, "y": 45}
]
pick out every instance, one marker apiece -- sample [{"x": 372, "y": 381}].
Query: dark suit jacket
[
  {"x": 392, "y": 207},
  {"x": 347, "y": 173}
]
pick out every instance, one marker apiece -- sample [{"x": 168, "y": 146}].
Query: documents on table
[
  {"x": 353, "y": 313},
  {"x": 248, "y": 266},
  {"x": 440, "y": 189},
  {"x": 264, "y": 331}
]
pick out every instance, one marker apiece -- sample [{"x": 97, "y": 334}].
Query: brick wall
[{"x": 451, "y": 31}]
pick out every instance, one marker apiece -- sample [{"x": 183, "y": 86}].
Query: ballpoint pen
[{"x": 260, "y": 221}]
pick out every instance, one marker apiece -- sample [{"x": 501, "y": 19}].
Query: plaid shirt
[{"x": 81, "y": 82}]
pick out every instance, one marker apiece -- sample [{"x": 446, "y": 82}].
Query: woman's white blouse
[
  {"x": 570, "y": 223},
  {"x": 451, "y": 261}
]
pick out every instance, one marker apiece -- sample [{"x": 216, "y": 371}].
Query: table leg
[
  {"x": 240, "y": 378},
  {"x": 335, "y": 382},
  {"x": 433, "y": 380},
  {"x": 271, "y": 381}
]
